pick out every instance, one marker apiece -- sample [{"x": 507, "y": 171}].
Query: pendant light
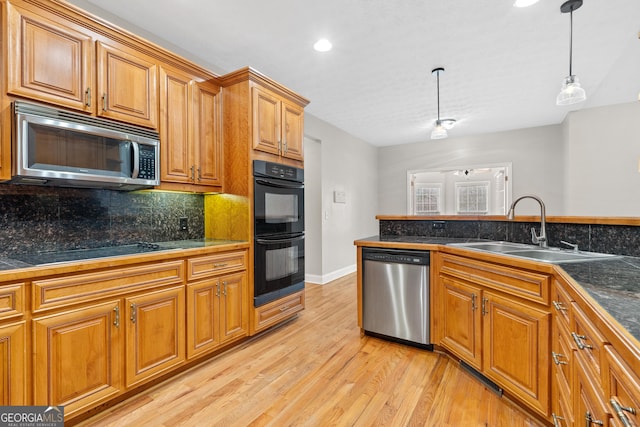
[
  {"x": 439, "y": 130},
  {"x": 571, "y": 92}
]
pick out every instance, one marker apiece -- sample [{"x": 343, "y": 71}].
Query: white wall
[
  {"x": 602, "y": 161},
  {"x": 536, "y": 155},
  {"x": 313, "y": 210},
  {"x": 347, "y": 164}
]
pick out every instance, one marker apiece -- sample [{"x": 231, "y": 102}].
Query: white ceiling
[{"x": 504, "y": 65}]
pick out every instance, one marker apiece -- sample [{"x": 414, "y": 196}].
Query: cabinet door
[
  {"x": 50, "y": 61},
  {"x": 155, "y": 334},
  {"x": 293, "y": 131},
  {"x": 266, "y": 121},
  {"x": 127, "y": 85},
  {"x": 77, "y": 357},
  {"x": 622, "y": 388},
  {"x": 203, "y": 314},
  {"x": 176, "y": 151},
  {"x": 206, "y": 131},
  {"x": 590, "y": 409},
  {"x": 13, "y": 365},
  {"x": 461, "y": 327},
  {"x": 234, "y": 309},
  {"x": 516, "y": 348}
]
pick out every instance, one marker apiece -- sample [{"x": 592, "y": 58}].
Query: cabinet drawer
[
  {"x": 198, "y": 268},
  {"x": 11, "y": 301},
  {"x": 274, "y": 312},
  {"x": 51, "y": 293},
  {"x": 525, "y": 284},
  {"x": 588, "y": 340},
  {"x": 561, "y": 302},
  {"x": 622, "y": 385}
]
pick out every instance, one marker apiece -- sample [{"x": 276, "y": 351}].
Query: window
[
  {"x": 471, "y": 190},
  {"x": 472, "y": 197},
  {"x": 427, "y": 199}
]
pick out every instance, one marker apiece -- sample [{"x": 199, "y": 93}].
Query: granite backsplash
[
  {"x": 34, "y": 219},
  {"x": 613, "y": 239}
]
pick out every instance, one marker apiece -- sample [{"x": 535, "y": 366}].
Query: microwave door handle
[
  {"x": 278, "y": 184},
  {"x": 136, "y": 159},
  {"x": 287, "y": 240}
]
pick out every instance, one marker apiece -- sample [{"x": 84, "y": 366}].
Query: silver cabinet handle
[
  {"x": 579, "y": 340},
  {"x": 88, "y": 97},
  {"x": 484, "y": 306},
  {"x": 556, "y": 359},
  {"x": 133, "y": 313},
  {"x": 589, "y": 420},
  {"x": 116, "y": 320},
  {"x": 104, "y": 102},
  {"x": 556, "y": 418},
  {"x": 473, "y": 302},
  {"x": 217, "y": 289},
  {"x": 620, "y": 412},
  {"x": 224, "y": 288},
  {"x": 559, "y": 306}
]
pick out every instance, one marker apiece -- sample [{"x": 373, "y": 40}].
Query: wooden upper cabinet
[
  {"x": 266, "y": 121},
  {"x": 58, "y": 61},
  {"x": 278, "y": 125},
  {"x": 127, "y": 85},
  {"x": 207, "y": 140},
  {"x": 293, "y": 131},
  {"x": 50, "y": 61},
  {"x": 190, "y": 114}
]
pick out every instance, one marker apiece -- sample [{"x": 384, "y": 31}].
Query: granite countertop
[
  {"x": 43, "y": 258},
  {"x": 613, "y": 283}
]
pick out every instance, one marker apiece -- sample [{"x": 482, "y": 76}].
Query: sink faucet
[{"x": 539, "y": 239}]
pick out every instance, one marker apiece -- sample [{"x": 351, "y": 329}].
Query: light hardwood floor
[{"x": 317, "y": 371}]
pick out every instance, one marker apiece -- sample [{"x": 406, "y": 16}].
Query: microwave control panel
[{"x": 147, "y": 166}]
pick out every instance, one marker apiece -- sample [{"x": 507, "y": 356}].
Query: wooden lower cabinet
[
  {"x": 516, "y": 348},
  {"x": 590, "y": 409},
  {"x": 78, "y": 357},
  {"x": 461, "y": 320},
  {"x": 13, "y": 364},
  {"x": 505, "y": 337},
  {"x": 217, "y": 312},
  {"x": 276, "y": 311},
  {"x": 154, "y": 333},
  {"x": 79, "y": 353}
]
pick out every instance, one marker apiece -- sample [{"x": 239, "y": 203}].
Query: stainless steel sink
[
  {"x": 536, "y": 253},
  {"x": 497, "y": 246}
]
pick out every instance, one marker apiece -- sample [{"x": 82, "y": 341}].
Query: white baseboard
[{"x": 326, "y": 278}]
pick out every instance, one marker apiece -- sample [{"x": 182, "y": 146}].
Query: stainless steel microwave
[{"x": 62, "y": 148}]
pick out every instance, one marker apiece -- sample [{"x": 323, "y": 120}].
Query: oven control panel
[{"x": 277, "y": 170}]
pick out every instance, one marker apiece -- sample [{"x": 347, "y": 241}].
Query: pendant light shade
[
  {"x": 571, "y": 92},
  {"x": 440, "y": 127}
]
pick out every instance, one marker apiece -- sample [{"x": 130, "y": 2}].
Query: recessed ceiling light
[
  {"x": 524, "y": 3},
  {"x": 323, "y": 45}
]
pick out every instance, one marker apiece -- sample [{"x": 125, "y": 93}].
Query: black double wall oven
[{"x": 279, "y": 231}]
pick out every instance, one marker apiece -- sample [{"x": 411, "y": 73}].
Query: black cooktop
[{"x": 80, "y": 254}]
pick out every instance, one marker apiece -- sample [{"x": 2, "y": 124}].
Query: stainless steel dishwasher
[{"x": 395, "y": 294}]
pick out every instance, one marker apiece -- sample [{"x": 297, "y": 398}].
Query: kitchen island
[{"x": 561, "y": 339}]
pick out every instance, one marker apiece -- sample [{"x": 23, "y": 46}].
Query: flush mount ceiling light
[
  {"x": 571, "y": 92},
  {"x": 524, "y": 3},
  {"x": 440, "y": 128},
  {"x": 322, "y": 45}
]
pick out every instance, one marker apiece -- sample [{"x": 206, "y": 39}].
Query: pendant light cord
[
  {"x": 571, "y": 44},
  {"x": 438, "y": 82}
]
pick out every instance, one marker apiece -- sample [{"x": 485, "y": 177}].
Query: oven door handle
[
  {"x": 286, "y": 240},
  {"x": 278, "y": 184}
]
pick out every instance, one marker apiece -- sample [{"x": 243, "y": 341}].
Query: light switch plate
[{"x": 339, "y": 197}]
